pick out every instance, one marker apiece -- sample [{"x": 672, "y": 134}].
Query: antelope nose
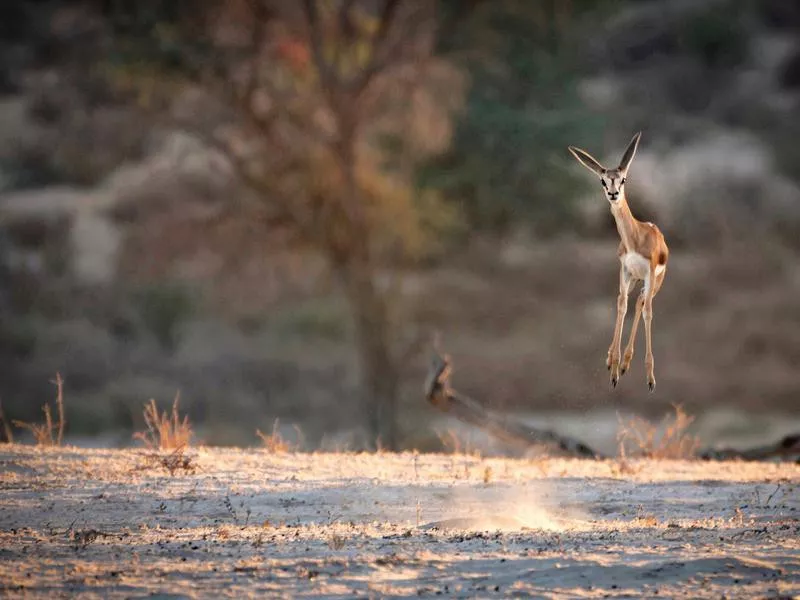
[{"x": 613, "y": 195}]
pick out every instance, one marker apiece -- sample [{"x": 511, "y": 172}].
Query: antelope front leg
[
  {"x": 628, "y": 356},
  {"x": 647, "y": 313},
  {"x": 612, "y": 362}
]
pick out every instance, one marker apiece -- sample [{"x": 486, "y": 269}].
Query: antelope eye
[
  {"x": 622, "y": 182},
  {"x": 603, "y": 181}
]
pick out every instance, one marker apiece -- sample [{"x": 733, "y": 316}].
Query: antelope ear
[
  {"x": 587, "y": 160},
  {"x": 630, "y": 152}
]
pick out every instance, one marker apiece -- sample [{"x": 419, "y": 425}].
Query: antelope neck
[{"x": 624, "y": 219}]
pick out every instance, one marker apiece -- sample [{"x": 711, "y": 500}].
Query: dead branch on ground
[
  {"x": 85, "y": 537},
  {"x": 172, "y": 462},
  {"x": 787, "y": 448},
  {"x": 671, "y": 442},
  {"x": 439, "y": 393}
]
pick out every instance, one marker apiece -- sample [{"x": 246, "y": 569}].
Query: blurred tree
[{"x": 295, "y": 97}]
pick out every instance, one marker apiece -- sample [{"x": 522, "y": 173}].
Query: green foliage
[
  {"x": 508, "y": 160},
  {"x": 715, "y": 35},
  {"x": 164, "y": 309}
]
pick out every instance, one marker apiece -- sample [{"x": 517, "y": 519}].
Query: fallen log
[
  {"x": 787, "y": 448},
  {"x": 439, "y": 393}
]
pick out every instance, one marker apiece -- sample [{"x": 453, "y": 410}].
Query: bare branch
[
  {"x": 379, "y": 55},
  {"x": 344, "y": 30},
  {"x": 315, "y": 35},
  {"x": 387, "y": 17},
  {"x": 281, "y": 209},
  {"x": 382, "y": 50}
]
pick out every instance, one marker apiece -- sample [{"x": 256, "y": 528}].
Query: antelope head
[{"x": 612, "y": 180}]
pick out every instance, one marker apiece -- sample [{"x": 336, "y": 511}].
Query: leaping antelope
[{"x": 643, "y": 256}]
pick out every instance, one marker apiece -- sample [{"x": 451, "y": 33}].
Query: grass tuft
[
  {"x": 275, "y": 443},
  {"x": 43, "y": 432},
  {"x": 165, "y": 431},
  {"x": 639, "y": 437}
]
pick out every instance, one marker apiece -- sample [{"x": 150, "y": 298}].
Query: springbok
[{"x": 643, "y": 256}]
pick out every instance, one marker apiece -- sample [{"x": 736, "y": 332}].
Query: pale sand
[{"x": 251, "y": 524}]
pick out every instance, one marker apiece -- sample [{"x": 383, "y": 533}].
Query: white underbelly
[{"x": 638, "y": 266}]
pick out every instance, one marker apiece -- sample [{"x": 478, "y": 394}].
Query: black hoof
[
  {"x": 651, "y": 385},
  {"x": 613, "y": 383}
]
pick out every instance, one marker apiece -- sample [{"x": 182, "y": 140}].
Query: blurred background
[{"x": 271, "y": 206}]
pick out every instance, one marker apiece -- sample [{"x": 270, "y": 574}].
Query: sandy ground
[{"x": 113, "y": 524}]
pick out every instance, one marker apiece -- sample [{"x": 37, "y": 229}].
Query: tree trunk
[{"x": 377, "y": 371}]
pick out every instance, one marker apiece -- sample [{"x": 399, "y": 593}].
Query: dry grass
[
  {"x": 487, "y": 475},
  {"x": 639, "y": 437},
  {"x": 455, "y": 443},
  {"x": 165, "y": 431},
  {"x": 645, "y": 519},
  {"x": 81, "y": 539},
  {"x": 43, "y": 432},
  {"x": 275, "y": 443}
]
